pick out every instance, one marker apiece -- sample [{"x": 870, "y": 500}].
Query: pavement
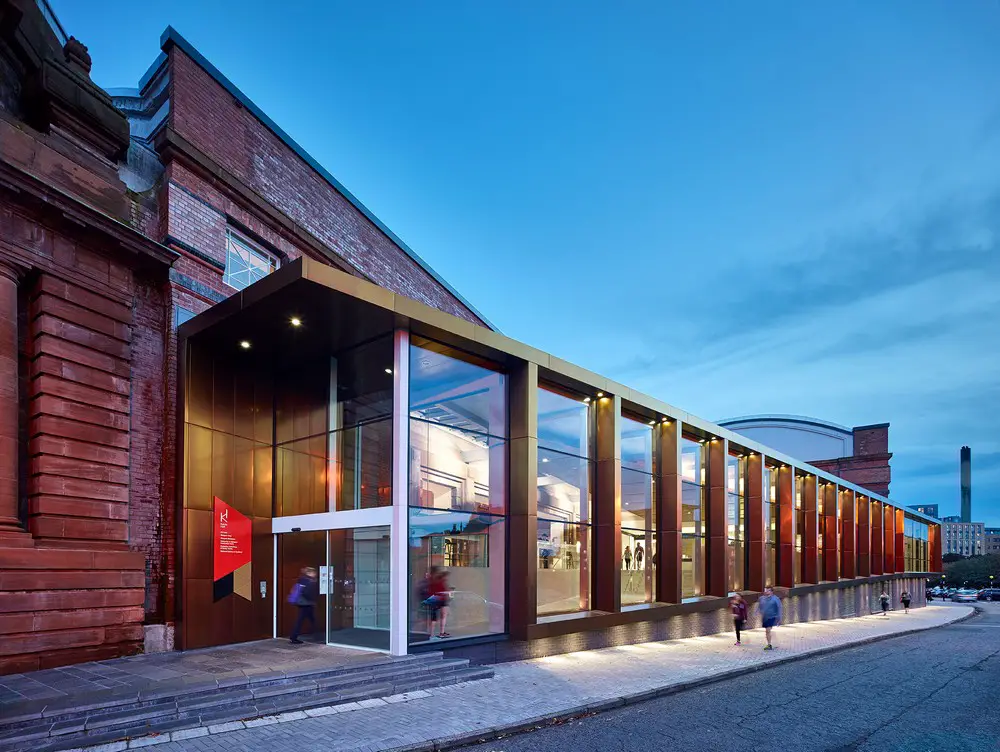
[
  {"x": 179, "y": 670},
  {"x": 930, "y": 691},
  {"x": 538, "y": 693}
]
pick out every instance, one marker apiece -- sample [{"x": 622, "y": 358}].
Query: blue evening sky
[{"x": 771, "y": 207}]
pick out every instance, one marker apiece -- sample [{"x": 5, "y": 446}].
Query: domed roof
[{"x": 805, "y": 438}]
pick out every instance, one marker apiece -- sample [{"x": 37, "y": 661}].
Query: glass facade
[
  {"x": 800, "y": 527},
  {"x": 457, "y": 495},
  {"x": 693, "y": 519},
  {"x": 916, "y": 535},
  {"x": 307, "y": 443},
  {"x": 638, "y": 513},
  {"x": 736, "y": 521},
  {"x": 565, "y": 478},
  {"x": 770, "y": 524},
  {"x": 333, "y": 434}
]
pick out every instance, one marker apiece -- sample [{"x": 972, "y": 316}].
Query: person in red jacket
[
  {"x": 438, "y": 595},
  {"x": 739, "y": 608}
]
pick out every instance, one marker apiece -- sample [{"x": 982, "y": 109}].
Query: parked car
[
  {"x": 964, "y": 596},
  {"x": 989, "y": 594}
]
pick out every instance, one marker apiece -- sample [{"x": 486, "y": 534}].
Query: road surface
[{"x": 935, "y": 690}]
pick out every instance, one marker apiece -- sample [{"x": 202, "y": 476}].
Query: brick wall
[
  {"x": 76, "y": 592},
  {"x": 149, "y": 508},
  {"x": 871, "y": 440},
  {"x": 869, "y": 465}
]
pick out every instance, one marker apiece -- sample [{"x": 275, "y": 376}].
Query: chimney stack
[{"x": 966, "y": 484}]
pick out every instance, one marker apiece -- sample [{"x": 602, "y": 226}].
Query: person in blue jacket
[{"x": 769, "y": 606}]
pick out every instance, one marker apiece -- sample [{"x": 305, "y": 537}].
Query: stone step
[{"x": 269, "y": 696}]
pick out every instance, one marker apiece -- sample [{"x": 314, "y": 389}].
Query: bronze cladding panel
[
  {"x": 717, "y": 579},
  {"x": 900, "y": 544},
  {"x": 810, "y": 542},
  {"x": 889, "y": 536},
  {"x": 848, "y": 536},
  {"x": 878, "y": 539},
  {"x": 862, "y": 506},
  {"x": 607, "y": 553},
  {"x": 668, "y": 511},
  {"x": 523, "y": 499},
  {"x": 786, "y": 575},
  {"x": 755, "y": 522},
  {"x": 831, "y": 535}
]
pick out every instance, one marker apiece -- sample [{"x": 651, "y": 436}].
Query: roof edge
[{"x": 172, "y": 37}]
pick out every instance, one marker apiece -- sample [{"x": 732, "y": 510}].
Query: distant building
[
  {"x": 963, "y": 538},
  {"x": 991, "y": 540},
  {"x": 860, "y": 455},
  {"x": 931, "y": 510}
]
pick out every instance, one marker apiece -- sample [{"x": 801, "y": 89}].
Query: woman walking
[
  {"x": 884, "y": 600},
  {"x": 739, "y": 609},
  {"x": 905, "y": 600}
]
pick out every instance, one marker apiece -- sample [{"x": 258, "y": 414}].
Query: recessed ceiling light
[
  {"x": 545, "y": 459},
  {"x": 296, "y": 321},
  {"x": 388, "y": 370},
  {"x": 600, "y": 394},
  {"x": 652, "y": 422},
  {"x": 586, "y": 399},
  {"x": 245, "y": 344}
]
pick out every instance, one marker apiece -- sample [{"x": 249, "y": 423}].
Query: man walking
[
  {"x": 769, "y": 606},
  {"x": 304, "y": 596}
]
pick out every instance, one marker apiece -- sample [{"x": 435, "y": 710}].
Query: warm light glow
[
  {"x": 296, "y": 321},
  {"x": 245, "y": 344},
  {"x": 600, "y": 394},
  {"x": 652, "y": 422},
  {"x": 388, "y": 370},
  {"x": 586, "y": 399}
]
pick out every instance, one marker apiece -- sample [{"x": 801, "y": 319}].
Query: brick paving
[{"x": 529, "y": 692}]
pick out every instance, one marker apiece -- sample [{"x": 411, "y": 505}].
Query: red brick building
[
  {"x": 122, "y": 214},
  {"x": 860, "y": 455}
]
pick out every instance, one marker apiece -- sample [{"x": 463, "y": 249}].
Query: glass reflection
[
  {"x": 563, "y": 487},
  {"x": 693, "y": 461},
  {"x": 338, "y": 471},
  {"x": 563, "y": 567},
  {"x": 447, "y": 389},
  {"x": 456, "y": 469},
  {"x": 692, "y": 565},
  {"x": 638, "y": 566},
  {"x": 564, "y": 423},
  {"x": 466, "y": 552},
  {"x": 637, "y": 445}
]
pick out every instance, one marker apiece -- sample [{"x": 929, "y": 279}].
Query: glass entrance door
[
  {"x": 358, "y": 583},
  {"x": 346, "y": 574}
]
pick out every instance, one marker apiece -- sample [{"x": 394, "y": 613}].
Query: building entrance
[{"x": 347, "y": 576}]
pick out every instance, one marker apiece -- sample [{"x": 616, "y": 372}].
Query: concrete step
[{"x": 171, "y": 709}]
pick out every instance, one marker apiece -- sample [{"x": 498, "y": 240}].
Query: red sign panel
[{"x": 231, "y": 539}]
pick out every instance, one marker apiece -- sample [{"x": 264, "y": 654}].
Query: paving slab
[{"x": 527, "y": 694}]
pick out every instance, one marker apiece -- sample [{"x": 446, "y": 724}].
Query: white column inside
[{"x": 399, "y": 561}]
